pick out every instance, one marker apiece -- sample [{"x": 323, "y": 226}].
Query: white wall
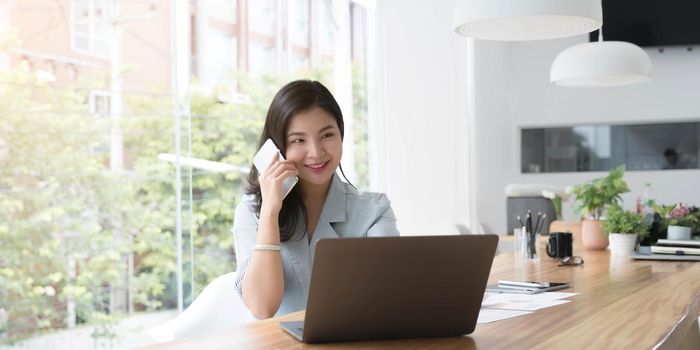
[
  {"x": 514, "y": 91},
  {"x": 431, "y": 125},
  {"x": 421, "y": 97}
]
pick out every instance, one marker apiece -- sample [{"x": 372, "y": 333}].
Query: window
[
  {"x": 299, "y": 23},
  {"x": 328, "y": 28},
  {"x": 87, "y": 242},
  {"x": 263, "y": 58},
  {"x": 98, "y": 103},
  {"x": 224, "y": 59},
  {"x": 298, "y": 62},
  {"x": 99, "y": 106},
  {"x": 91, "y": 27},
  {"x": 661, "y": 146},
  {"x": 224, "y": 9},
  {"x": 263, "y": 17}
]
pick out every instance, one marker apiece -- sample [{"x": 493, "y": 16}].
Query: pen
[
  {"x": 530, "y": 237},
  {"x": 529, "y": 222},
  {"x": 544, "y": 216}
]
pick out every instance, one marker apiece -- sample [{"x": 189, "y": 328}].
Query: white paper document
[
  {"x": 553, "y": 295},
  {"x": 493, "y": 315},
  {"x": 527, "y": 305},
  {"x": 524, "y": 302}
]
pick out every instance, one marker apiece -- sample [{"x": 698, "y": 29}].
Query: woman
[{"x": 274, "y": 236}]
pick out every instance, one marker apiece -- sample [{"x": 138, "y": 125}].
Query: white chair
[{"x": 217, "y": 308}]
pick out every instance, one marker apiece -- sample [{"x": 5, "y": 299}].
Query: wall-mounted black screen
[{"x": 651, "y": 22}]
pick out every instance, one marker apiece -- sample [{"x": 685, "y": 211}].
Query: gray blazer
[{"x": 346, "y": 213}]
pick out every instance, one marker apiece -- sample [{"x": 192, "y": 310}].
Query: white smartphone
[
  {"x": 531, "y": 286},
  {"x": 496, "y": 288},
  {"x": 262, "y": 160}
]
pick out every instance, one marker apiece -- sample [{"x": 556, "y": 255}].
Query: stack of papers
[{"x": 501, "y": 306}]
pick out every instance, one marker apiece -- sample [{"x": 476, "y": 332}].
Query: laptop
[{"x": 395, "y": 287}]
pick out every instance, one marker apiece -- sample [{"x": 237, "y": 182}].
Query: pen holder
[{"x": 527, "y": 245}]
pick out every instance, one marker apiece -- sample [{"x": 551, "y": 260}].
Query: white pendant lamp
[
  {"x": 600, "y": 64},
  {"x": 520, "y": 20}
]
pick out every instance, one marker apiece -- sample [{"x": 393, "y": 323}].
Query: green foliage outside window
[{"x": 69, "y": 225}]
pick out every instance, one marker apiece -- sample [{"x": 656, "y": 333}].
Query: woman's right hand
[{"x": 271, "y": 183}]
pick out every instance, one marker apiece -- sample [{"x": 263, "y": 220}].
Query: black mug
[{"x": 560, "y": 245}]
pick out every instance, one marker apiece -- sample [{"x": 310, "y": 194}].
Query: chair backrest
[
  {"x": 463, "y": 229},
  {"x": 217, "y": 308},
  {"x": 520, "y": 205}
]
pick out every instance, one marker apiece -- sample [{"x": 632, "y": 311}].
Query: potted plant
[
  {"x": 624, "y": 228},
  {"x": 593, "y": 198},
  {"x": 682, "y": 221}
]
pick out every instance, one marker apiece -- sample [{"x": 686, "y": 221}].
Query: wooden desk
[{"x": 623, "y": 304}]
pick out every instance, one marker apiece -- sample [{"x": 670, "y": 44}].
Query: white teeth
[{"x": 316, "y": 166}]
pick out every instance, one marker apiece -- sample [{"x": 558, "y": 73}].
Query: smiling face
[{"x": 314, "y": 144}]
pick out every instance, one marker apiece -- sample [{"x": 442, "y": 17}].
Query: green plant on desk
[
  {"x": 625, "y": 222},
  {"x": 663, "y": 217},
  {"x": 595, "y": 196},
  {"x": 683, "y": 216},
  {"x": 692, "y": 221},
  {"x": 625, "y": 228}
]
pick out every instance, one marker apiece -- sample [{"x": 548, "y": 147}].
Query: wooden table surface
[{"x": 623, "y": 304}]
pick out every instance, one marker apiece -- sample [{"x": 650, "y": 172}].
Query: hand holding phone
[{"x": 263, "y": 160}]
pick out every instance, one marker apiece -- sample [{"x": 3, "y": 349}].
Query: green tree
[
  {"x": 69, "y": 224},
  {"x": 56, "y": 249}
]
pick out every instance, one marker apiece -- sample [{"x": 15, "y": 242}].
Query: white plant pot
[
  {"x": 622, "y": 244},
  {"x": 678, "y": 232}
]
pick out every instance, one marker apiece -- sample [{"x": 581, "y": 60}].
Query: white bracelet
[{"x": 267, "y": 247}]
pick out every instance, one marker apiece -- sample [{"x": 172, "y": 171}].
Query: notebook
[
  {"x": 395, "y": 287},
  {"x": 646, "y": 254}
]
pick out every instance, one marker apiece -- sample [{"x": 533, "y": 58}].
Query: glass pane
[
  {"x": 88, "y": 202},
  {"x": 81, "y": 42},
  {"x": 80, "y": 9},
  {"x": 87, "y": 33},
  {"x": 224, "y": 9},
  {"x": 103, "y": 31},
  {"x": 263, "y": 16},
  {"x": 85, "y": 241},
  {"x": 299, "y": 62},
  {"x": 80, "y": 13},
  {"x": 659, "y": 146},
  {"x": 224, "y": 58},
  {"x": 262, "y": 58},
  {"x": 81, "y": 29},
  {"x": 328, "y": 27},
  {"x": 100, "y": 47},
  {"x": 299, "y": 26}
]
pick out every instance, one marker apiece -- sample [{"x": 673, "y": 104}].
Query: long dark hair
[{"x": 295, "y": 97}]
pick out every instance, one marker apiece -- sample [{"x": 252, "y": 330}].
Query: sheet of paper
[
  {"x": 554, "y": 295},
  {"x": 493, "y": 315},
  {"x": 527, "y": 305},
  {"x": 500, "y": 297},
  {"x": 527, "y": 302}
]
